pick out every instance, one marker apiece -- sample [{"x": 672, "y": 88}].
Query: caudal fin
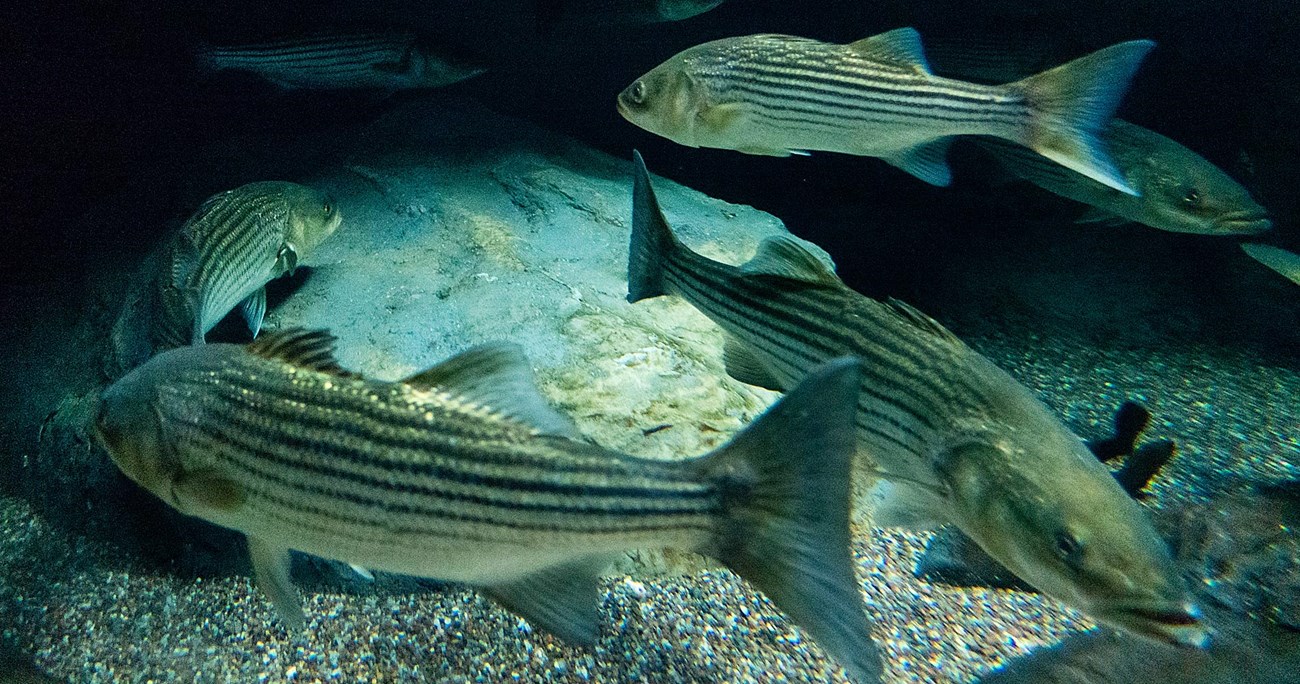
[
  {"x": 652, "y": 239},
  {"x": 1071, "y": 105},
  {"x": 785, "y": 488}
]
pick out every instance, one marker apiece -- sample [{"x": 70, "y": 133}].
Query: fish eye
[
  {"x": 329, "y": 209},
  {"x": 637, "y": 92},
  {"x": 1068, "y": 546},
  {"x": 1192, "y": 196}
]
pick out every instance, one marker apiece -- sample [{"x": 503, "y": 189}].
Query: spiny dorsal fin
[
  {"x": 921, "y": 320},
  {"x": 902, "y": 46},
  {"x": 498, "y": 376},
  {"x": 310, "y": 349},
  {"x": 785, "y": 256}
]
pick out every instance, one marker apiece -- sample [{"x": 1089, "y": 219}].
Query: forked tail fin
[
  {"x": 786, "y": 499},
  {"x": 1071, "y": 105}
]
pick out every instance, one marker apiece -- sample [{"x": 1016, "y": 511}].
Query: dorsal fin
[
  {"x": 497, "y": 376},
  {"x": 785, "y": 256},
  {"x": 902, "y": 46},
  {"x": 310, "y": 349},
  {"x": 921, "y": 320}
]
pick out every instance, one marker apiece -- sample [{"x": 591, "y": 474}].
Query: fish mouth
[
  {"x": 1183, "y": 625},
  {"x": 622, "y": 108},
  {"x": 1245, "y": 223}
]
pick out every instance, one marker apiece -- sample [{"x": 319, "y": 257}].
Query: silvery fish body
[
  {"x": 1178, "y": 189},
  {"x": 224, "y": 255},
  {"x": 463, "y": 473},
  {"x": 779, "y": 95},
  {"x": 340, "y": 62},
  {"x": 947, "y": 436}
]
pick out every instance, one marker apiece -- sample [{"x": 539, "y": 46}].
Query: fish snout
[
  {"x": 1179, "y": 625},
  {"x": 1245, "y": 222}
]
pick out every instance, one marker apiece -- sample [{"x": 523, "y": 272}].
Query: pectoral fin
[
  {"x": 254, "y": 310},
  {"x": 271, "y": 570},
  {"x": 206, "y": 490},
  {"x": 1101, "y": 217},
  {"x": 562, "y": 600},
  {"x": 286, "y": 260}
]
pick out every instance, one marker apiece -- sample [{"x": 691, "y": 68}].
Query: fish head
[
  {"x": 668, "y": 101},
  {"x": 313, "y": 217},
  {"x": 1183, "y": 192},
  {"x": 1072, "y": 533},
  {"x": 129, "y": 427}
]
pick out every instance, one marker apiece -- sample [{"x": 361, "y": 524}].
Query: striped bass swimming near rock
[
  {"x": 339, "y": 62},
  {"x": 464, "y": 473},
  {"x": 780, "y": 95},
  {"x": 225, "y": 254},
  {"x": 948, "y": 436}
]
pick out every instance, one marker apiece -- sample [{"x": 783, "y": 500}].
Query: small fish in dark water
[
  {"x": 340, "y": 62},
  {"x": 224, "y": 255},
  {"x": 1286, "y": 264},
  {"x": 463, "y": 473},
  {"x": 1178, "y": 190},
  {"x": 956, "y": 439},
  {"x": 554, "y": 12},
  {"x": 781, "y": 95}
]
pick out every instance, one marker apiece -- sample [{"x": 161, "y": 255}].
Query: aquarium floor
[{"x": 87, "y": 616}]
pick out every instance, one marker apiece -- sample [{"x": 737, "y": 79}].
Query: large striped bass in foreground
[
  {"x": 339, "y": 62},
  {"x": 226, "y": 253},
  {"x": 464, "y": 473},
  {"x": 953, "y": 438},
  {"x": 779, "y": 95}
]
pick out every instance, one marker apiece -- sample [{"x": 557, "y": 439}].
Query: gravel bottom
[{"x": 87, "y": 616}]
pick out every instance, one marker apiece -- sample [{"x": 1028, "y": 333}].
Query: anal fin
[
  {"x": 927, "y": 161},
  {"x": 271, "y": 570},
  {"x": 563, "y": 600},
  {"x": 747, "y": 368}
]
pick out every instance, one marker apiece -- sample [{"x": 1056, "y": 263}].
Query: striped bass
[
  {"x": 1286, "y": 264},
  {"x": 338, "y": 62},
  {"x": 464, "y": 473},
  {"x": 1179, "y": 190},
  {"x": 780, "y": 95},
  {"x": 225, "y": 254},
  {"x": 946, "y": 436}
]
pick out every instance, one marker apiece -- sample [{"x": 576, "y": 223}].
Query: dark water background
[{"x": 100, "y": 97}]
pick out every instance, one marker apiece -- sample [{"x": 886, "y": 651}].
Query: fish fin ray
[
  {"x": 286, "y": 259},
  {"x": 362, "y": 572},
  {"x": 920, "y": 320},
  {"x": 499, "y": 376},
  {"x": 928, "y": 161},
  {"x": 1073, "y": 103},
  {"x": 785, "y": 256},
  {"x": 785, "y": 486},
  {"x": 253, "y": 309},
  {"x": 271, "y": 566},
  {"x": 652, "y": 242},
  {"x": 563, "y": 600},
  {"x": 900, "y": 46},
  {"x": 310, "y": 349},
  {"x": 744, "y": 366}
]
